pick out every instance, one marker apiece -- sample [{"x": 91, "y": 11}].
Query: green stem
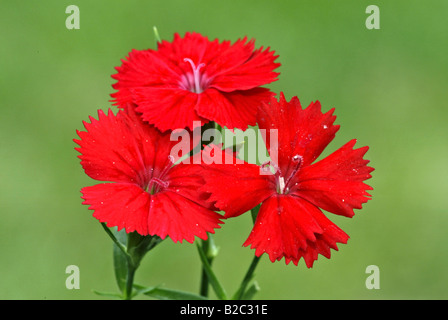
[
  {"x": 207, "y": 247},
  {"x": 204, "y": 282},
  {"x": 203, "y": 291},
  {"x": 247, "y": 278},
  {"x": 132, "y": 247},
  {"x": 210, "y": 251},
  {"x": 129, "y": 281},
  {"x": 250, "y": 272},
  {"x": 118, "y": 243},
  {"x": 211, "y": 277}
]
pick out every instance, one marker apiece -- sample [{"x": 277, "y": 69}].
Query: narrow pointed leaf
[
  {"x": 120, "y": 260},
  {"x": 167, "y": 294},
  {"x": 249, "y": 294},
  {"x": 108, "y": 294}
]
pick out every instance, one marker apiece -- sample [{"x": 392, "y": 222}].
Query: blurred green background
[{"x": 389, "y": 88}]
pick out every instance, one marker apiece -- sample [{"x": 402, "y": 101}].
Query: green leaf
[
  {"x": 241, "y": 292},
  {"x": 249, "y": 294},
  {"x": 108, "y": 294},
  {"x": 156, "y": 35},
  {"x": 213, "y": 280},
  {"x": 120, "y": 260},
  {"x": 167, "y": 294}
]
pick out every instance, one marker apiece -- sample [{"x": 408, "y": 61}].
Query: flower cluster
[{"x": 147, "y": 189}]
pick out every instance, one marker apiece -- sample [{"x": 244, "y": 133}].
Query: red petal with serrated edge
[
  {"x": 187, "y": 180},
  {"x": 179, "y": 218},
  {"x": 168, "y": 108},
  {"x": 193, "y": 46},
  {"x": 291, "y": 228},
  {"x": 122, "y": 148},
  {"x": 171, "y": 85},
  {"x": 335, "y": 183},
  {"x": 121, "y": 205},
  {"x": 143, "y": 68},
  {"x": 235, "y": 188},
  {"x": 108, "y": 150},
  {"x": 325, "y": 241},
  {"x": 137, "y": 157},
  {"x": 248, "y": 74},
  {"x": 217, "y": 57},
  {"x": 237, "y": 109},
  {"x": 229, "y": 67},
  {"x": 153, "y": 142},
  {"x": 237, "y": 196},
  {"x": 304, "y": 133}
]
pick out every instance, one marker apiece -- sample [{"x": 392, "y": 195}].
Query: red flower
[
  {"x": 290, "y": 222},
  {"x": 194, "y": 79},
  {"x": 148, "y": 194}
]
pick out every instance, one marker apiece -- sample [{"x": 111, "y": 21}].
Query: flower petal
[
  {"x": 235, "y": 187},
  {"x": 187, "y": 181},
  {"x": 335, "y": 183},
  {"x": 122, "y": 148},
  {"x": 323, "y": 244},
  {"x": 229, "y": 67},
  {"x": 238, "y": 70},
  {"x": 237, "y": 109},
  {"x": 193, "y": 46},
  {"x": 291, "y": 228},
  {"x": 303, "y": 133},
  {"x": 179, "y": 218},
  {"x": 168, "y": 108},
  {"x": 143, "y": 68},
  {"x": 121, "y": 205},
  {"x": 108, "y": 150},
  {"x": 161, "y": 82}
]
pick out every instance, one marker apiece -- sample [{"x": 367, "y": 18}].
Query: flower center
[
  {"x": 195, "y": 82},
  {"x": 282, "y": 181},
  {"x": 281, "y": 185},
  {"x": 157, "y": 184}
]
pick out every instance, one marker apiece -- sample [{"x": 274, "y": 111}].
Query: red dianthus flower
[
  {"x": 149, "y": 194},
  {"x": 290, "y": 223},
  {"x": 195, "y": 79}
]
